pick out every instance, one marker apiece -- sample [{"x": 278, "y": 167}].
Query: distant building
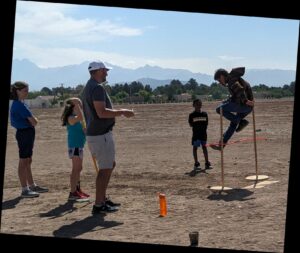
[
  {"x": 160, "y": 99},
  {"x": 134, "y": 99},
  {"x": 204, "y": 97},
  {"x": 184, "y": 97},
  {"x": 262, "y": 95},
  {"x": 40, "y": 102}
]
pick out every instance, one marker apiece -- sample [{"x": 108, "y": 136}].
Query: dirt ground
[{"x": 154, "y": 155}]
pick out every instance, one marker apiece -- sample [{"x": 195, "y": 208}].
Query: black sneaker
[
  {"x": 29, "y": 194},
  {"x": 110, "y": 203},
  {"x": 243, "y": 123},
  {"x": 104, "y": 209},
  {"x": 38, "y": 189},
  {"x": 196, "y": 165},
  {"x": 208, "y": 166}
]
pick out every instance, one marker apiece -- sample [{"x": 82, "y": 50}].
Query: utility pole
[{"x": 62, "y": 90}]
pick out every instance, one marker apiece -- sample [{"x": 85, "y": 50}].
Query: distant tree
[
  {"x": 146, "y": 95},
  {"x": 120, "y": 96},
  {"x": 79, "y": 88},
  {"x": 34, "y": 94},
  {"x": 46, "y": 91},
  {"x": 216, "y": 94},
  {"x": 136, "y": 87},
  {"x": 117, "y": 88},
  {"x": 191, "y": 84},
  {"x": 159, "y": 90},
  {"x": 202, "y": 89},
  {"x": 286, "y": 87},
  {"x": 127, "y": 88},
  {"x": 218, "y": 91},
  {"x": 148, "y": 88},
  {"x": 260, "y": 88},
  {"x": 56, "y": 91},
  {"x": 61, "y": 89},
  {"x": 292, "y": 87},
  {"x": 108, "y": 88},
  {"x": 175, "y": 87}
]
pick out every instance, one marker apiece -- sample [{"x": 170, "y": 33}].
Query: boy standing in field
[{"x": 198, "y": 120}]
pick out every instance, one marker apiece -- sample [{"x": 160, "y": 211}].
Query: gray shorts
[{"x": 102, "y": 148}]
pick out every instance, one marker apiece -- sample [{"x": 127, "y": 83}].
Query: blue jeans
[{"x": 241, "y": 111}]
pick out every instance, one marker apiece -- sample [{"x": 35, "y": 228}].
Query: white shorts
[{"x": 102, "y": 148}]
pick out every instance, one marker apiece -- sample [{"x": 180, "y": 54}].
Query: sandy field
[{"x": 154, "y": 155}]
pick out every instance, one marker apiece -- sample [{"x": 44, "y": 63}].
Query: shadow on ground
[
  {"x": 91, "y": 223},
  {"x": 63, "y": 209},
  {"x": 197, "y": 171},
  {"x": 231, "y": 195},
  {"x": 9, "y": 204}
]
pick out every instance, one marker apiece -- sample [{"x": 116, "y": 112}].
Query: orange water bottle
[{"x": 162, "y": 204}]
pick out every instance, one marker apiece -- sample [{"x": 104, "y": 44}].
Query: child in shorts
[{"x": 72, "y": 118}]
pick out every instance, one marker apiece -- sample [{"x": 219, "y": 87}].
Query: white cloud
[
  {"x": 230, "y": 58},
  {"x": 56, "y": 57},
  {"x": 110, "y": 28},
  {"x": 34, "y": 7},
  {"x": 49, "y": 21}
]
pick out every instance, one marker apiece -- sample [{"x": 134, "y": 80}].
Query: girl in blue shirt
[
  {"x": 72, "y": 118},
  {"x": 22, "y": 119}
]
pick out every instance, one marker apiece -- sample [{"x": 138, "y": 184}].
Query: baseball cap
[{"x": 97, "y": 65}]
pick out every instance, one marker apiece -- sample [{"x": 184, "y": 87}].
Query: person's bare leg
[
  {"x": 205, "y": 153},
  {"x": 101, "y": 185},
  {"x": 108, "y": 179},
  {"x": 22, "y": 171},
  {"x": 75, "y": 174},
  {"x": 195, "y": 154},
  {"x": 29, "y": 176}
]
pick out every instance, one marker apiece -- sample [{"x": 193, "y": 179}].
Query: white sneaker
[{"x": 29, "y": 194}]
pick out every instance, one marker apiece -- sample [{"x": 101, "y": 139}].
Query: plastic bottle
[{"x": 162, "y": 204}]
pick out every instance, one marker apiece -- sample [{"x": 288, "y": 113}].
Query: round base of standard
[
  {"x": 257, "y": 177},
  {"x": 220, "y": 188}
]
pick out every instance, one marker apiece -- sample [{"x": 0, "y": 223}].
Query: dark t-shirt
[
  {"x": 240, "y": 90},
  {"x": 199, "y": 121},
  {"x": 94, "y": 91}
]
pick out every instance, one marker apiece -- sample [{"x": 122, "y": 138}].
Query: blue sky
[{"x": 52, "y": 35}]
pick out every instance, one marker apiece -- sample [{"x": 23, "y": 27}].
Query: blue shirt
[
  {"x": 76, "y": 136},
  {"x": 19, "y": 114}
]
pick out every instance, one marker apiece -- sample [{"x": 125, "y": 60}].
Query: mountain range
[{"x": 72, "y": 75}]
